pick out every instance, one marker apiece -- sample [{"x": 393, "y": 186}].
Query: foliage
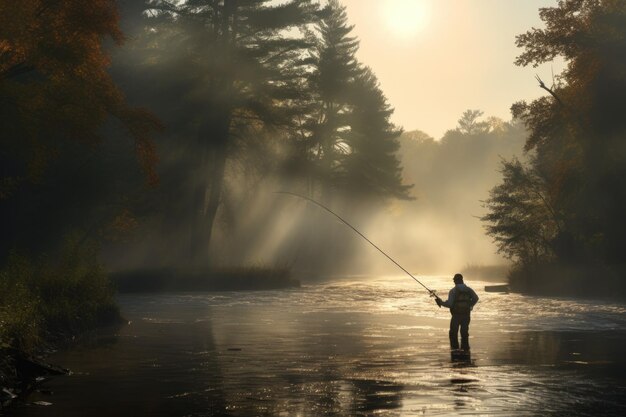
[
  {"x": 58, "y": 104},
  {"x": 240, "y": 77},
  {"x": 55, "y": 86},
  {"x": 372, "y": 168},
  {"x": 456, "y": 170},
  {"x": 469, "y": 124},
  {"x": 451, "y": 176},
  {"x": 65, "y": 158},
  {"x": 521, "y": 218},
  {"x": 577, "y": 137},
  {"x": 246, "y": 104},
  {"x": 48, "y": 296},
  {"x": 352, "y": 143}
]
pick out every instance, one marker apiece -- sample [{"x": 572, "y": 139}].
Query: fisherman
[{"x": 461, "y": 301}]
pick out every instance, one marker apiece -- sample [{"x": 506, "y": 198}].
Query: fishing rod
[{"x": 431, "y": 292}]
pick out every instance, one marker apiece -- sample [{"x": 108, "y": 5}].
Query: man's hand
[{"x": 438, "y": 301}]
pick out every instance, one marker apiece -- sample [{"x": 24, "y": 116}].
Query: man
[{"x": 461, "y": 301}]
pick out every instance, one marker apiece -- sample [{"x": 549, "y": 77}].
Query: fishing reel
[{"x": 433, "y": 294}]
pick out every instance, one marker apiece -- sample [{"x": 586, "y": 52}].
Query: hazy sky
[{"x": 437, "y": 58}]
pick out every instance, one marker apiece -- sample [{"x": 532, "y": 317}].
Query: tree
[
  {"x": 521, "y": 217},
  {"x": 55, "y": 86},
  {"x": 333, "y": 72},
  {"x": 577, "y": 132},
  {"x": 469, "y": 124},
  {"x": 371, "y": 167},
  {"x": 58, "y": 103},
  {"x": 352, "y": 142},
  {"x": 246, "y": 75}
]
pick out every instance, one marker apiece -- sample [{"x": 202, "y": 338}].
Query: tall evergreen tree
[
  {"x": 370, "y": 167},
  {"x": 353, "y": 141},
  {"x": 247, "y": 72},
  {"x": 334, "y": 70}
]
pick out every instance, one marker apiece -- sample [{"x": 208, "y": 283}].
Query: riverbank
[
  {"x": 581, "y": 281},
  {"x": 46, "y": 301},
  {"x": 40, "y": 325},
  {"x": 23, "y": 369},
  {"x": 20, "y": 373}
]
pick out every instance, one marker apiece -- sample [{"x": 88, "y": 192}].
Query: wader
[{"x": 460, "y": 318}]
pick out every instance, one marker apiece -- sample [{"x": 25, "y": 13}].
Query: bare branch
[{"x": 549, "y": 90}]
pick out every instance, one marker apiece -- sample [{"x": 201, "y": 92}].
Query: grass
[{"x": 53, "y": 296}]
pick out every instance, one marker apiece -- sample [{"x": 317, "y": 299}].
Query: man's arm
[
  {"x": 474, "y": 297},
  {"x": 450, "y": 301}
]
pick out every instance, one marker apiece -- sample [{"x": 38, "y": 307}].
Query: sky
[{"x": 437, "y": 58}]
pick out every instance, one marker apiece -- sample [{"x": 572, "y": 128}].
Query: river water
[{"x": 345, "y": 348}]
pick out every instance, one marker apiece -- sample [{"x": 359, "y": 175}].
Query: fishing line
[{"x": 432, "y": 293}]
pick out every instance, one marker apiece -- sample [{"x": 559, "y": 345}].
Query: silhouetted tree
[
  {"x": 521, "y": 217},
  {"x": 334, "y": 69},
  {"x": 248, "y": 73},
  {"x": 352, "y": 141},
  {"x": 469, "y": 124},
  {"x": 370, "y": 165},
  {"x": 57, "y": 99},
  {"x": 577, "y": 131}
]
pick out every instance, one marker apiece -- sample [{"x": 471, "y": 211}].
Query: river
[{"x": 352, "y": 347}]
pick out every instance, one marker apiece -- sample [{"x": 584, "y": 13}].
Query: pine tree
[
  {"x": 371, "y": 167},
  {"x": 244, "y": 73},
  {"x": 353, "y": 141},
  {"x": 335, "y": 68}
]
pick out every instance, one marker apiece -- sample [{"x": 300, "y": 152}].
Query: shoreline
[{"x": 22, "y": 372}]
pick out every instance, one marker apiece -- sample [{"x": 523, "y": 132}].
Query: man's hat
[{"x": 458, "y": 278}]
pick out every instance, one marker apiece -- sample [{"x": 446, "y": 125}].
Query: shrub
[{"x": 54, "y": 295}]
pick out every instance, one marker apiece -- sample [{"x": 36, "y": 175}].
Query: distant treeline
[
  {"x": 463, "y": 164},
  {"x": 560, "y": 216},
  {"x": 440, "y": 231}
]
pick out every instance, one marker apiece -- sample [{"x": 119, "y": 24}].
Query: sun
[{"x": 405, "y": 18}]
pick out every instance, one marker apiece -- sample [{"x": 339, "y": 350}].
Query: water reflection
[{"x": 305, "y": 353}]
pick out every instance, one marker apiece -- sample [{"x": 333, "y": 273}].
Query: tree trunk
[
  {"x": 214, "y": 139},
  {"x": 213, "y": 199}
]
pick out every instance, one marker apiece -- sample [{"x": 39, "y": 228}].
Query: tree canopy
[
  {"x": 576, "y": 136},
  {"x": 59, "y": 108},
  {"x": 55, "y": 86}
]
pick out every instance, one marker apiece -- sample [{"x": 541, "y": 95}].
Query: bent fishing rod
[{"x": 431, "y": 292}]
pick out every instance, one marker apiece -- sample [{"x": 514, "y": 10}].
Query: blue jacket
[{"x": 452, "y": 295}]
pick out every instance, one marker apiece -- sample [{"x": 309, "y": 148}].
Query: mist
[
  {"x": 433, "y": 228},
  {"x": 436, "y": 232},
  {"x": 181, "y": 182}
]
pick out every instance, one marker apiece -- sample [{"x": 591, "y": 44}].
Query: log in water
[{"x": 376, "y": 347}]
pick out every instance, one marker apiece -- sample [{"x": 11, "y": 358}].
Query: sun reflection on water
[{"x": 362, "y": 348}]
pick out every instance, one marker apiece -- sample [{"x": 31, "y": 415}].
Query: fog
[
  {"x": 436, "y": 233},
  {"x": 195, "y": 195},
  {"x": 435, "y": 230}
]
